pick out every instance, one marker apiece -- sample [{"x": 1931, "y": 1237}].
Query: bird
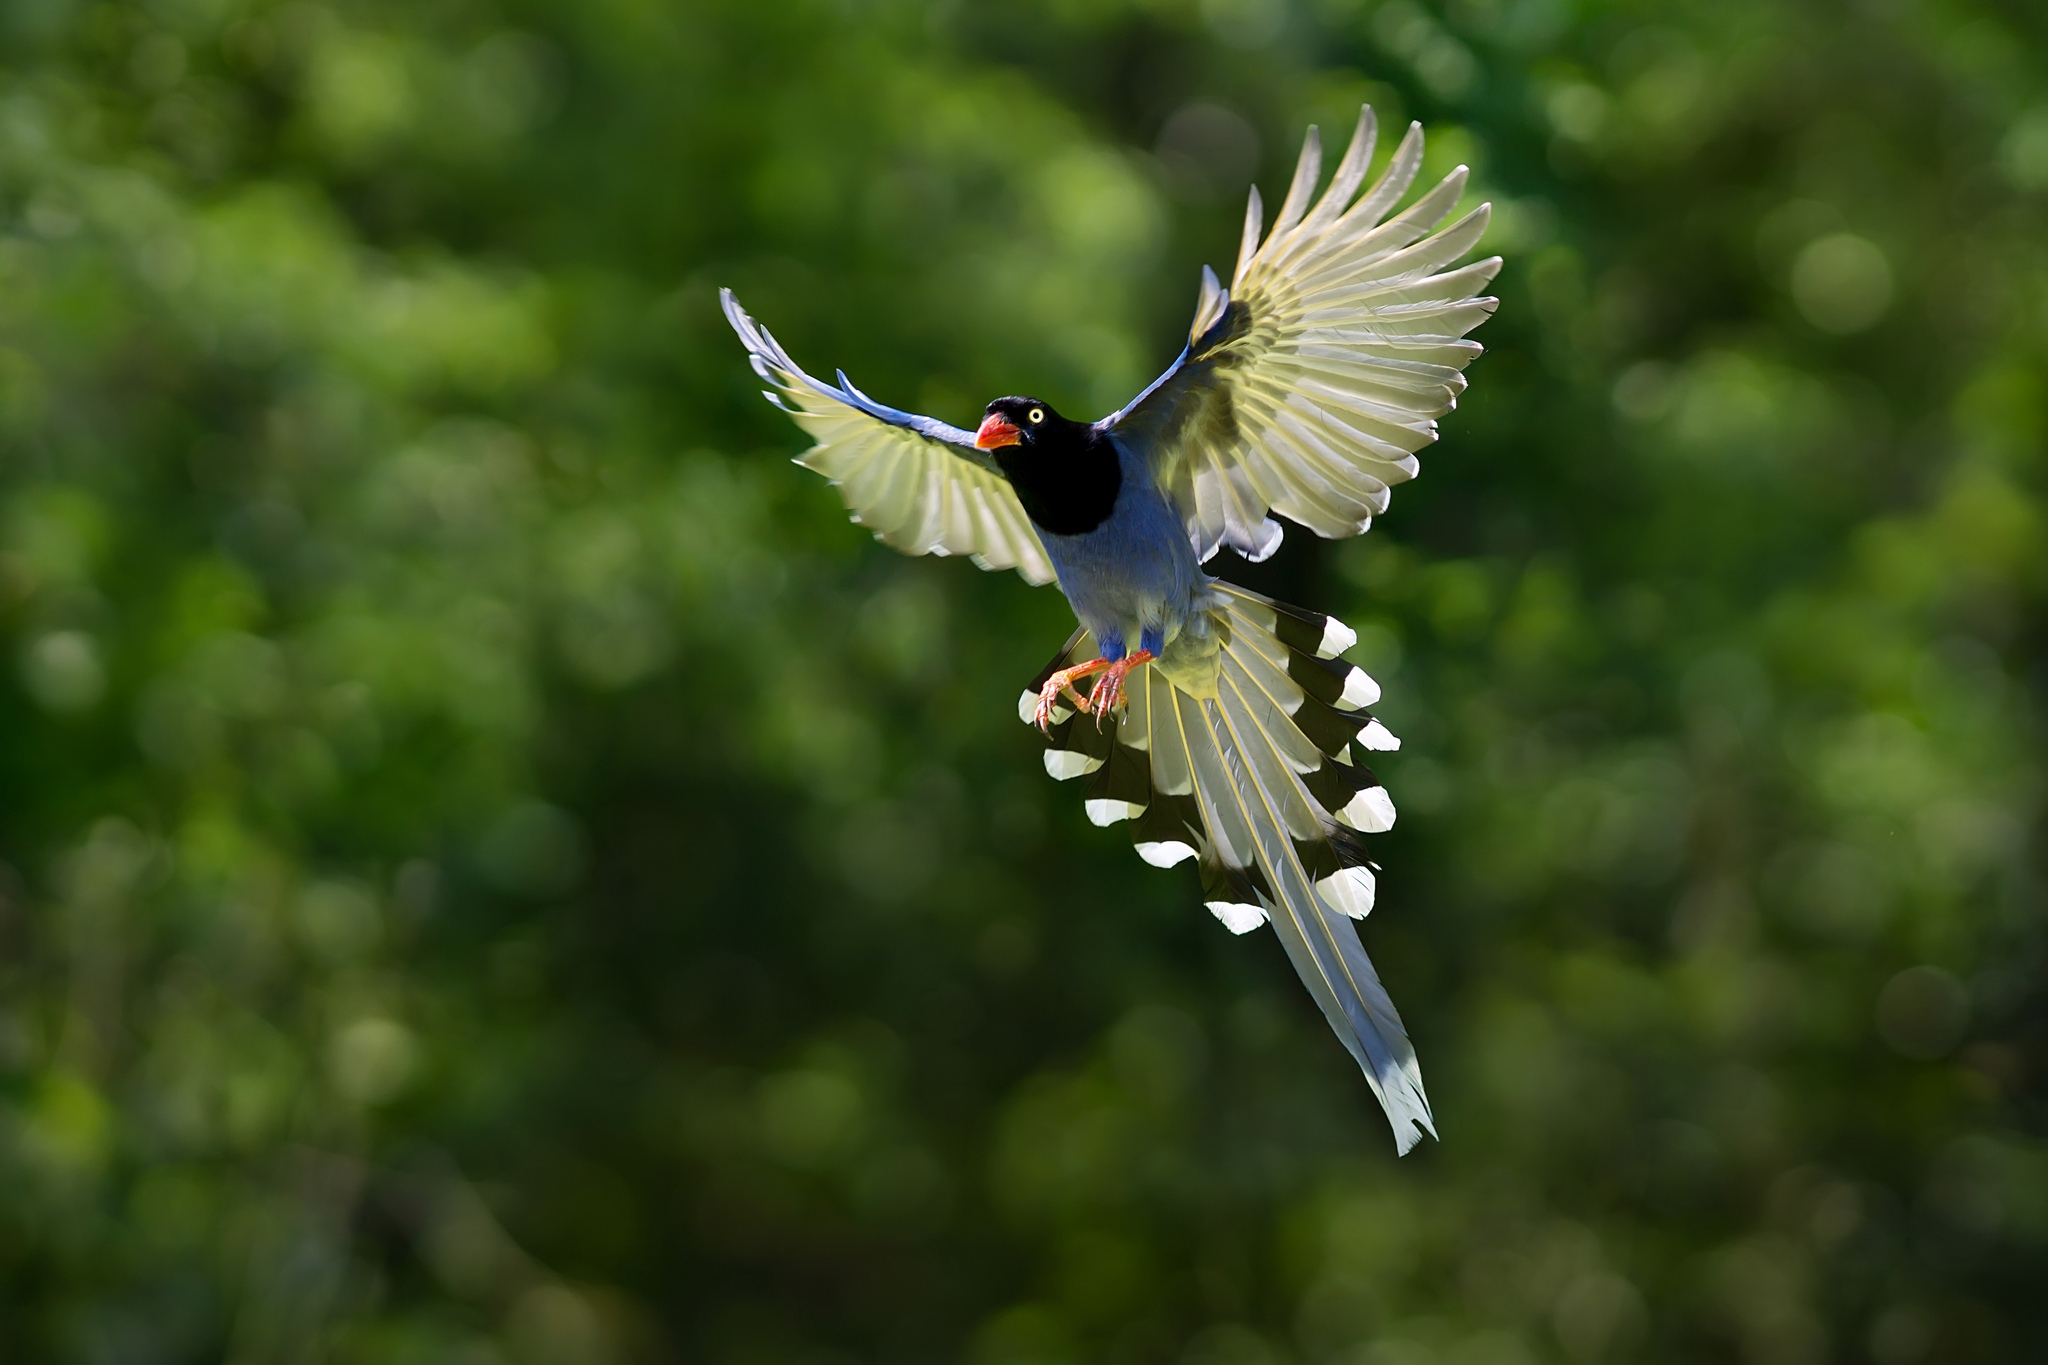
[{"x": 1220, "y": 725}]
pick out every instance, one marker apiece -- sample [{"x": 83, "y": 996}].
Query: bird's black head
[
  {"x": 1066, "y": 473},
  {"x": 1023, "y": 422}
]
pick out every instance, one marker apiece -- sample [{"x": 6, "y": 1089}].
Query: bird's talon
[
  {"x": 1103, "y": 698},
  {"x": 1060, "y": 683},
  {"x": 1109, "y": 688}
]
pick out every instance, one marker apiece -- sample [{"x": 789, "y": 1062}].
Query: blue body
[{"x": 1134, "y": 580}]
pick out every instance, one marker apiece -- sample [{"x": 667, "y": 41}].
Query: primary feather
[
  {"x": 917, "y": 483},
  {"x": 1308, "y": 385}
]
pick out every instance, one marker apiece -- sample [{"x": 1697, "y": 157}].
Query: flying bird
[{"x": 1220, "y": 725}]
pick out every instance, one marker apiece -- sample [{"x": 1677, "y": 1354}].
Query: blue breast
[{"x": 1134, "y": 579}]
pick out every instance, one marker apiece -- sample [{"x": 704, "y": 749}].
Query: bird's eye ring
[{"x": 1035, "y": 416}]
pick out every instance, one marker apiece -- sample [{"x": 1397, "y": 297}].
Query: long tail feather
[{"x": 1323, "y": 944}]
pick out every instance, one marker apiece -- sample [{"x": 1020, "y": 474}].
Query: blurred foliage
[{"x": 498, "y": 871}]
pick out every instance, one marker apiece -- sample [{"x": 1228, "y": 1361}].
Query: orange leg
[
  {"x": 1109, "y": 688},
  {"x": 1063, "y": 681}
]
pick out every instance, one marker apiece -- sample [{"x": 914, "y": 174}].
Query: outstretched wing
[
  {"x": 919, "y": 484},
  {"x": 1309, "y": 385}
]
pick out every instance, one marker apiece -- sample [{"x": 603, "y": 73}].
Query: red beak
[{"x": 995, "y": 431}]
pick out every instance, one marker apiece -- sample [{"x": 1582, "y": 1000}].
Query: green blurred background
[{"x": 498, "y": 871}]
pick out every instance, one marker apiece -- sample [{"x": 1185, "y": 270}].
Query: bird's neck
[{"x": 1067, "y": 482}]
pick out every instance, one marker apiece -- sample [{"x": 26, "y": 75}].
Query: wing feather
[
  {"x": 1402, "y": 168},
  {"x": 1308, "y": 167},
  {"x": 917, "y": 483},
  {"x": 1350, "y": 175},
  {"x": 1308, "y": 386}
]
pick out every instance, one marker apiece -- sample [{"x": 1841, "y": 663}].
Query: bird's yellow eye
[{"x": 1035, "y": 416}]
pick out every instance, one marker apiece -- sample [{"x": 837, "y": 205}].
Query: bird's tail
[{"x": 1237, "y": 750}]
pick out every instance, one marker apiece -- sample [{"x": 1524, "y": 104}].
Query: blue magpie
[{"x": 1221, "y": 725}]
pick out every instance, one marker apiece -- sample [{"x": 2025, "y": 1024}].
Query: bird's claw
[
  {"x": 1109, "y": 688},
  {"x": 1063, "y": 682},
  {"x": 1107, "y": 694}
]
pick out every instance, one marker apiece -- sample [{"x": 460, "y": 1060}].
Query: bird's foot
[
  {"x": 1063, "y": 681},
  {"x": 1109, "y": 688}
]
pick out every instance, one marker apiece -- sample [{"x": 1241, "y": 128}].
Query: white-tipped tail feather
[
  {"x": 1167, "y": 852},
  {"x": 1350, "y": 889},
  {"x": 1337, "y": 637},
  {"x": 1238, "y": 918},
  {"x": 1259, "y": 782},
  {"x": 1376, "y": 736}
]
